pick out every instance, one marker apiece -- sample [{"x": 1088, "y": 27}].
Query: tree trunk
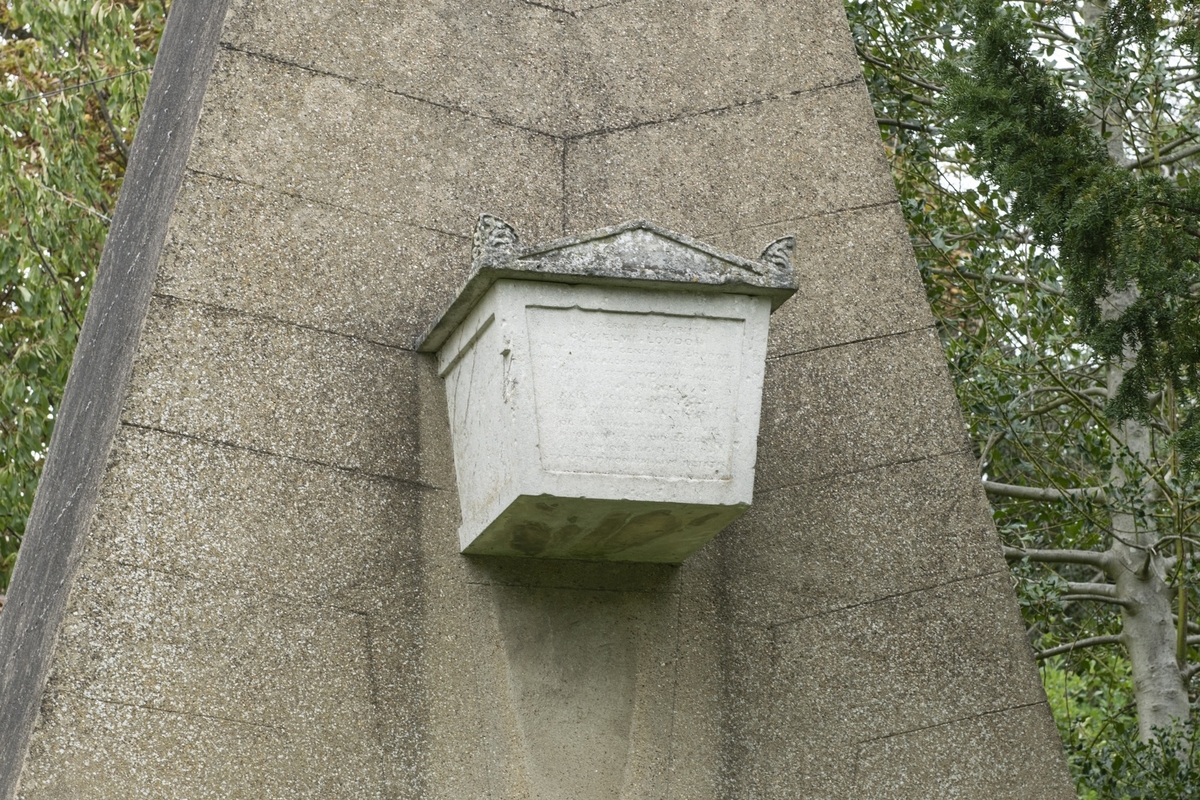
[
  {"x": 1139, "y": 571},
  {"x": 1141, "y": 575}
]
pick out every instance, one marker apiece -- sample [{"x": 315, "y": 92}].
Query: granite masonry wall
[{"x": 242, "y": 580}]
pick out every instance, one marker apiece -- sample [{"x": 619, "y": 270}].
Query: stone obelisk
[{"x": 242, "y": 576}]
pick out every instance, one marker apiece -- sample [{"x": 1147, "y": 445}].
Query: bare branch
[
  {"x": 1011, "y": 279},
  {"x": 1104, "y": 589},
  {"x": 1098, "y": 598},
  {"x": 1041, "y": 493},
  {"x": 1078, "y": 645},
  {"x": 118, "y": 140},
  {"x": 1067, "y": 398},
  {"x": 1101, "y": 561},
  {"x": 1162, "y": 161},
  {"x": 993, "y": 437},
  {"x": 1175, "y": 143},
  {"x": 933, "y": 87},
  {"x": 908, "y": 126},
  {"x": 1054, "y": 29}
]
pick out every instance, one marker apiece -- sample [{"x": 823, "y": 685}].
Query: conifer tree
[{"x": 1045, "y": 154}]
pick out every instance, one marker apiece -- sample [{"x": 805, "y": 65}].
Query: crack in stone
[
  {"x": 295, "y": 459},
  {"x": 561, "y": 136},
  {"x": 466, "y": 237},
  {"x": 825, "y": 477},
  {"x": 955, "y": 721},
  {"x": 258, "y": 315},
  {"x": 877, "y": 337},
  {"x": 774, "y": 626},
  {"x": 735, "y": 106},
  {"x": 229, "y": 46},
  {"x": 180, "y": 712}
]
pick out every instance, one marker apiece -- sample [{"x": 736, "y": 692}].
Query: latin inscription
[{"x": 624, "y": 393}]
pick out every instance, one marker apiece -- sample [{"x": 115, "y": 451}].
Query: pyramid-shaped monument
[{"x": 242, "y": 577}]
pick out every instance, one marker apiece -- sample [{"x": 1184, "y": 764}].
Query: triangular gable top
[{"x": 634, "y": 254}]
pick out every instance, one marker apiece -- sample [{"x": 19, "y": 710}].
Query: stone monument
[
  {"x": 604, "y": 390},
  {"x": 242, "y": 576}
]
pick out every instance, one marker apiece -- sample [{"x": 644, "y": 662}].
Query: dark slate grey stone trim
[{"x": 95, "y": 393}]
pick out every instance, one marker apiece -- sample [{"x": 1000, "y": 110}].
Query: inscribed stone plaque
[{"x": 635, "y": 394}]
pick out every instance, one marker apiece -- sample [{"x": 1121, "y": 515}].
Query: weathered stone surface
[
  {"x": 993, "y": 755},
  {"x": 603, "y": 423},
  {"x": 565, "y": 67},
  {"x": 578, "y": 684},
  {"x": 111, "y": 751},
  {"x": 267, "y": 252},
  {"x": 228, "y": 377},
  {"x": 169, "y": 642},
  {"x": 861, "y": 405},
  {"x": 855, "y": 276},
  {"x": 401, "y": 704},
  {"x": 88, "y": 416},
  {"x": 900, "y": 664},
  {"x": 843, "y": 540},
  {"x": 654, "y": 60},
  {"x": 564, "y": 574},
  {"x": 324, "y": 138},
  {"x": 281, "y": 414},
  {"x": 225, "y": 515},
  {"x": 502, "y": 59},
  {"x": 714, "y": 173},
  {"x": 427, "y": 655},
  {"x": 696, "y": 736}
]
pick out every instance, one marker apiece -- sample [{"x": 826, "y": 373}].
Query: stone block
[
  {"x": 750, "y": 735},
  {"x": 565, "y": 67},
  {"x": 229, "y": 377},
  {"x": 696, "y": 739},
  {"x": 845, "y": 409},
  {"x": 110, "y": 751},
  {"x": 272, "y": 253},
  {"x": 844, "y": 540},
  {"x": 229, "y": 516},
  {"x": 440, "y": 682},
  {"x": 900, "y": 664},
  {"x": 396, "y": 633},
  {"x": 150, "y": 639},
  {"x": 630, "y": 63},
  {"x": 856, "y": 275},
  {"x": 502, "y": 59},
  {"x": 324, "y": 138},
  {"x": 436, "y": 450},
  {"x": 577, "y": 683},
  {"x": 822, "y": 770},
  {"x": 763, "y": 757},
  {"x": 441, "y": 562},
  {"x": 714, "y": 173},
  {"x": 564, "y": 574},
  {"x": 1001, "y": 755},
  {"x": 603, "y": 422}
]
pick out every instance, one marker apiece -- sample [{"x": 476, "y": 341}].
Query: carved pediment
[{"x": 635, "y": 254}]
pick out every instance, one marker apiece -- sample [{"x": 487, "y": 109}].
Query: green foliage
[
  {"x": 75, "y": 74},
  {"x": 1092, "y": 701},
  {"x": 1165, "y": 768},
  {"x": 1113, "y": 228},
  {"x": 1064, "y": 85}
]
